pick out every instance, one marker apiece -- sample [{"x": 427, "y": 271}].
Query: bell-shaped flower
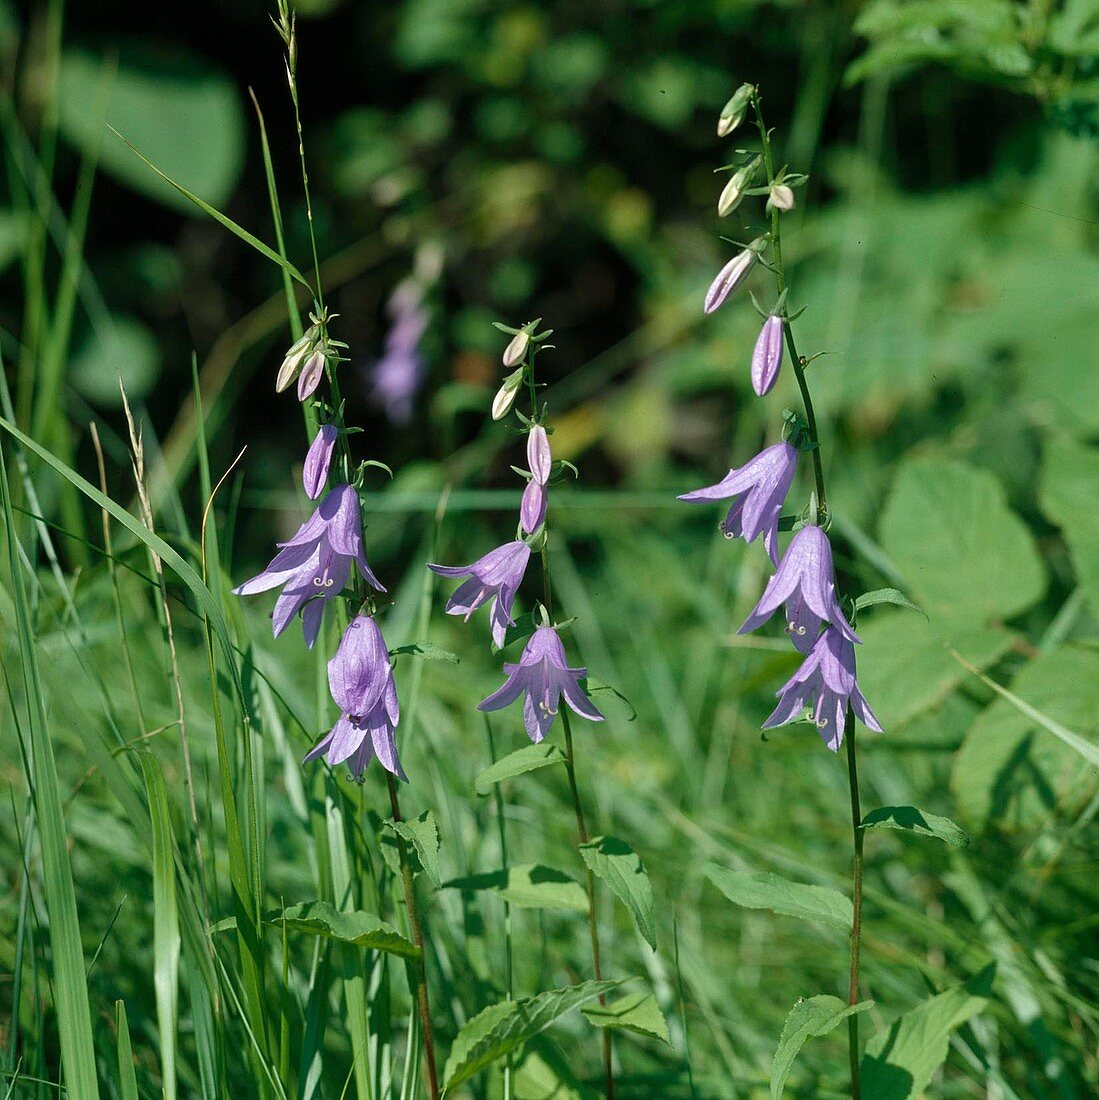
[
  {"x": 495, "y": 577},
  {"x": 361, "y": 681},
  {"x": 314, "y": 474},
  {"x": 314, "y": 566},
  {"x": 805, "y": 582},
  {"x": 758, "y": 490},
  {"x": 767, "y": 356},
  {"x": 543, "y": 677},
  {"x": 825, "y": 685}
]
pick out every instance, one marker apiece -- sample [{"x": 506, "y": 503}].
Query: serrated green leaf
[
  {"x": 964, "y": 553},
  {"x": 320, "y": 918},
  {"x": 762, "y": 890},
  {"x": 810, "y": 1018},
  {"x": 899, "y": 1061},
  {"x": 527, "y": 759},
  {"x": 529, "y": 886},
  {"x": 908, "y": 819},
  {"x": 423, "y": 834},
  {"x": 618, "y": 865},
  {"x": 426, "y": 651},
  {"x": 636, "y": 1012},
  {"x": 887, "y": 595},
  {"x": 501, "y": 1028}
]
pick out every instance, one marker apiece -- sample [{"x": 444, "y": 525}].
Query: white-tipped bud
[
  {"x": 731, "y": 195},
  {"x": 732, "y": 114},
  {"x": 506, "y": 394},
  {"x": 517, "y": 349},
  {"x": 292, "y": 363},
  {"x": 781, "y": 198}
]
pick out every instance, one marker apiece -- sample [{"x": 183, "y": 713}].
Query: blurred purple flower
[
  {"x": 543, "y": 676},
  {"x": 825, "y": 683},
  {"x": 398, "y": 374},
  {"x": 494, "y": 577},
  {"x": 758, "y": 490},
  {"x": 361, "y": 681},
  {"x": 767, "y": 356},
  {"x": 806, "y": 582},
  {"x": 314, "y": 566},
  {"x": 315, "y": 473}
]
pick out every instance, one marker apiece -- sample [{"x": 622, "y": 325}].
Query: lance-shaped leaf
[
  {"x": 908, "y": 819},
  {"x": 529, "y": 886},
  {"x": 527, "y": 759},
  {"x": 319, "y": 918},
  {"x": 762, "y": 890},
  {"x": 637, "y": 1012},
  {"x": 620, "y": 867},
  {"x": 808, "y": 1019}
]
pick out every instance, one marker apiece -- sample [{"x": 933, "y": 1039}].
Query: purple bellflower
[
  {"x": 532, "y": 511},
  {"x": 494, "y": 577},
  {"x": 543, "y": 677},
  {"x": 806, "y": 582},
  {"x": 398, "y": 374},
  {"x": 825, "y": 684},
  {"x": 758, "y": 490},
  {"x": 361, "y": 682},
  {"x": 767, "y": 356},
  {"x": 314, "y": 566},
  {"x": 315, "y": 473}
]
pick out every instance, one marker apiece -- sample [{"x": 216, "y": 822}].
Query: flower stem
[
  {"x": 822, "y": 508},
  {"x": 418, "y": 939}
]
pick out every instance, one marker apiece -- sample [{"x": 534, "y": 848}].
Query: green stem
[
  {"x": 822, "y": 509},
  {"x": 509, "y": 975},
  {"x": 422, "y": 1002}
]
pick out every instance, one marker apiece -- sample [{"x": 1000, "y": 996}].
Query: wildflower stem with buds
[{"x": 799, "y": 366}]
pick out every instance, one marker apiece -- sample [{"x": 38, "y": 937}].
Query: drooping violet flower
[
  {"x": 757, "y": 490},
  {"x": 731, "y": 276},
  {"x": 398, "y": 374},
  {"x": 767, "y": 356},
  {"x": 825, "y": 684},
  {"x": 314, "y": 566},
  {"x": 543, "y": 677},
  {"x": 361, "y": 681},
  {"x": 494, "y": 577},
  {"x": 311, "y": 374},
  {"x": 314, "y": 474},
  {"x": 532, "y": 511},
  {"x": 806, "y": 582}
]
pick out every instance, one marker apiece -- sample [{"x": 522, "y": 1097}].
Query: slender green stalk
[
  {"x": 799, "y": 366},
  {"x": 422, "y": 1001}
]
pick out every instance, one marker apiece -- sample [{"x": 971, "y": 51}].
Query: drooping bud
[
  {"x": 517, "y": 349},
  {"x": 733, "y": 192},
  {"x": 767, "y": 356},
  {"x": 310, "y": 377},
  {"x": 732, "y": 114},
  {"x": 315, "y": 472},
  {"x": 539, "y": 458},
  {"x": 506, "y": 394},
  {"x": 731, "y": 276},
  {"x": 781, "y": 197},
  {"x": 293, "y": 361},
  {"x": 532, "y": 509}
]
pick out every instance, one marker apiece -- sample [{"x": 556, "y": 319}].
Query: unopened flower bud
[
  {"x": 767, "y": 356},
  {"x": 731, "y": 276},
  {"x": 781, "y": 197},
  {"x": 730, "y": 197},
  {"x": 310, "y": 377},
  {"x": 506, "y": 394},
  {"x": 317, "y": 461},
  {"x": 539, "y": 458},
  {"x": 532, "y": 510},
  {"x": 515, "y": 351},
  {"x": 294, "y": 358},
  {"x": 732, "y": 114}
]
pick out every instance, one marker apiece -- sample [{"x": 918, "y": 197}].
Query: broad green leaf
[
  {"x": 527, "y": 759},
  {"x": 529, "y": 886},
  {"x": 186, "y": 116},
  {"x": 426, "y": 651},
  {"x": 887, "y": 595},
  {"x": 964, "y": 553},
  {"x": 637, "y": 1012},
  {"x": 423, "y": 834},
  {"x": 124, "y": 347},
  {"x": 1035, "y": 749},
  {"x": 898, "y": 1062},
  {"x": 908, "y": 819},
  {"x": 810, "y": 1018},
  {"x": 501, "y": 1028},
  {"x": 620, "y": 867},
  {"x": 904, "y": 669},
  {"x": 762, "y": 890},
  {"x": 320, "y": 918},
  {"x": 1070, "y": 488}
]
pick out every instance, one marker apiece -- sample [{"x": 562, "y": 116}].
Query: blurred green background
[{"x": 556, "y": 160}]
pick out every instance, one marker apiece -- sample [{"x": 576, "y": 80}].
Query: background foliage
[{"x": 558, "y": 158}]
